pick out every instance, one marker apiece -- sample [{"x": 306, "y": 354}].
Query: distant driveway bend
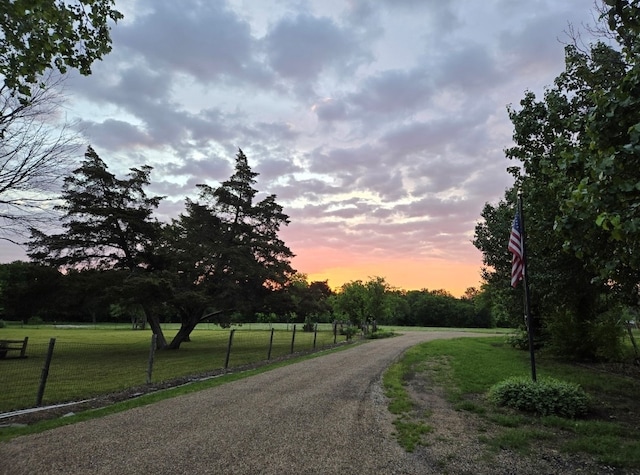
[{"x": 325, "y": 415}]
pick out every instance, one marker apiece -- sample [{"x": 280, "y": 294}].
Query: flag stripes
[{"x": 515, "y": 247}]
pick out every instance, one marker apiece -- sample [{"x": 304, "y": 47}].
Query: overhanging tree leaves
[
  {"x": 39, "y": 35},
  {"x": 603, "y": 190}
]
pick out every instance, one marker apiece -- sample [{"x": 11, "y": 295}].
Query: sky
[{"x": 380, "y": 125}]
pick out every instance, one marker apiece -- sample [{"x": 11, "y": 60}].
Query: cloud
[
  {"x": 115, "y": 134},
  {"x": 392, "y": 93},
  {"x": 205, "y": 40},
  {"x": 300, "y": 48}
]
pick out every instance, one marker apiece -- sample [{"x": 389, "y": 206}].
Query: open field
[{"x": 89, "y": 361}]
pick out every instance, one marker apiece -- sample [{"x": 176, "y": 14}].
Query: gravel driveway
[{"x": 325, "y": 415}]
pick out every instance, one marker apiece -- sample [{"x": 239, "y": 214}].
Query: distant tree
[
  {"x": 361, "y": 302},
  {"x": 86, "y": 295},
  {"x": 37, "y": 36},
  {"x": 307, "y": 299},
  {"x": 350, "y": 302},
  {"x": 28, "y": 290}
]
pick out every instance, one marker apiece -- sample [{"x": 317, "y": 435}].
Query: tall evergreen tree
[
  {"x": 107, "y": 224},
  {"x": 225, "y": 251}
]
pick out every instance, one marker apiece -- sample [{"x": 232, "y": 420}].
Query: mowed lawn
[{"x": 95, "y": 360}]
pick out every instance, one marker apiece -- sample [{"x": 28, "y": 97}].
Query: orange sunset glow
[{"x": 400, "y": 273}]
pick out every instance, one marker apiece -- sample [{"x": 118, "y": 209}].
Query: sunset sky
[{"x": 379, "y": 124}]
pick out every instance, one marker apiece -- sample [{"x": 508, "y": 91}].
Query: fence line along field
[{"x": 89, "y": 362}]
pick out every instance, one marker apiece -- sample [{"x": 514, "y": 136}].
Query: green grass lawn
[
  {"x": 95, "y": 360},
  {"x": 467, "y": 367}
]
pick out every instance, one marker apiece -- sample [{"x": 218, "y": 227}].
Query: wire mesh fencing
[{"x": 58, "y": 371}]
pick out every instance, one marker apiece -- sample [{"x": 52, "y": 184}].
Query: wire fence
[{"x": 58, "y": 371}]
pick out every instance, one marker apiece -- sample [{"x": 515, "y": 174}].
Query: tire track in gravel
[{"x": 325, "y": 415}]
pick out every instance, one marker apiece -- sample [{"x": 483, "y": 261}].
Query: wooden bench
[{"x": 7, "y": 346}]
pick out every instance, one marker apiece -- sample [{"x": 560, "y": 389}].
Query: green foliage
[
  {"x": 375, "y": 300},
  {"x": 578, "y": 154},
  {"x": 3, "y": 324},
  {"x": 269, "y": 318},
  {"x": 545, "y": 397},
  {"x": 349, "y": 331},
  {"x": 309, "y": 324},
  {"x": 35, "y": 320},
  {"x": 35, "y": 37},
  {"x": 598, "y": 338},
  {"x": 380, "y": 334}
]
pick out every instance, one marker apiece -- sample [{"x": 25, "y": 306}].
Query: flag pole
[{"x": 525, "y": 282}]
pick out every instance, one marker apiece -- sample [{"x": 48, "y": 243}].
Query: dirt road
[{"x": 325, "y": 416}]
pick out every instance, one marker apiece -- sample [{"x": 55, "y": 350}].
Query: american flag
[{"x": 515, "y": 247}]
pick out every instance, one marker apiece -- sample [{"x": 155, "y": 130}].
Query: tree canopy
[
  {"x": 578, "y": 149},
  {"x": 40, "y": 35}
]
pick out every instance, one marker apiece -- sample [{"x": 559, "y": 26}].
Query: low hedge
[{"x": 544, "y": 397}]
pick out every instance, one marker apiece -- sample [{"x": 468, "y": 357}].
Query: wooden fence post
[
  {"x": 152, "y": 352},
  {"x": 226, "y": 360},
  {"x": 270, "y": 345},
  {"x": 45, "y": 372},
  {"x": 293, "y": 338},
  {"x": 315, "y": 335}
]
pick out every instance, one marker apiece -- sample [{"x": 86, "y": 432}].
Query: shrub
[
  {"x": 2, "y": 324},
  {"x": 35, "y": 321},
  {"x": 380, "y": 334},
  {"x": 349, "y": 331},
  {"x": 309, "y": 324},
  {"x": 544, "y": 397},
  {"x": 596, "y": 338}
]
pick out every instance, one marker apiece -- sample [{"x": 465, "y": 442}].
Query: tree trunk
[
  {"x": 154, "y": 323},
  {"x": 187, "y": 326}
]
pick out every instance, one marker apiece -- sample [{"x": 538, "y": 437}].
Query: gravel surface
[{"x": 325, "y": 415}]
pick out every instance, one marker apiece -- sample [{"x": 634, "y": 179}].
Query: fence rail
[{"x": 59, "y": 371}]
